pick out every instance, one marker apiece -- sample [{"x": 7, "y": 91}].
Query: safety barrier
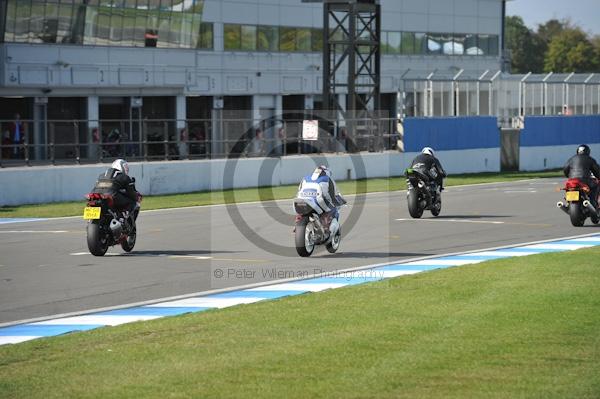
[
  {"x": 447, "y": 134},
  {"x": 547, "y": 142}
]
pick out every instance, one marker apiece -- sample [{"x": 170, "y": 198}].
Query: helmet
[
  {"x": 121, "y": 165},
  {"x": 322, "y": 171},
  {"x": 583, "y": 149},
  {"x": 429, "y": 151}
]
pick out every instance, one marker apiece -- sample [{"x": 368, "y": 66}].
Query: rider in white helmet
[
  {"x": 332, "y": 199},
  {"x": 429, "y": 165},
  {"x": 116, "y": 181}
]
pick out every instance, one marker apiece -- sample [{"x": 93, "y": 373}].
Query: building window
[
  {"x": 232, "y": 36},
  {"x": 268, "y": 38},
  {"x": 303, "y": 40},
  {"x": 317, "y": 40},
  {"x": 458, "y": 44},
  {"x": 248, "y": 38},
  {"x": 287, "y": 39},
  {"x": 149, "y": 23},
  {"x": 206, "y": 36},
  {"x": 410, "y": 43},
  {"x": 393, "y": 43},
  {"x": 407, "y": 45}
]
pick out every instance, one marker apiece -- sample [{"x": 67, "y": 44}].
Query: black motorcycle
[
  {"x": 108, "y": 226},
  {"x": 422, "y": 194}
]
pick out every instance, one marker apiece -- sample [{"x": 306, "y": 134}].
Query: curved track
[{"x": 45, "y": 268}]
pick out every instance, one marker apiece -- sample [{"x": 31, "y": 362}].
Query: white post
[
  {"x": 415, "y": 98},
  {"x": 468, "y": 94},
  {"x": 523, "y": 95},
  {"x": 442, "y": 88},
  {"x": 93, "y": 112},
  {"x": 180, "y": 125}
]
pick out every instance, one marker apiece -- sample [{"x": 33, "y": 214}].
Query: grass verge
[
  {"x": 256, "y": 194},
  {"x": 521, "y": 327}
]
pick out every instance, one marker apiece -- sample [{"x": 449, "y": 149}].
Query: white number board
[{"x": 310, "y": 130}]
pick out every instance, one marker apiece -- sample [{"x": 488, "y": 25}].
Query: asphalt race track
[{"x": 45, "y": 268}]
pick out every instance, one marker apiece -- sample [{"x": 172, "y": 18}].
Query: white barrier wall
[
  {"x": 550, "y": 157},
  {"x": 34, "y": 185}
]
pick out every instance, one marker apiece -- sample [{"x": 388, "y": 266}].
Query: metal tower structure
[{"x": 351, "y": 58}]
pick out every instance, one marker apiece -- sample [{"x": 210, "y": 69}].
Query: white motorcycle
[{"x": 311, "y": 221}]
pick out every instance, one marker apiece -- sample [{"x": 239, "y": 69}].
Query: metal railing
[
  {"x": 64, "y": 142},
  {"x": 509, "y": 97}
]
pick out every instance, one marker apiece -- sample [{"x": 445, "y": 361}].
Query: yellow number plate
[
  {"x": 91, "y": 213},
  {"x": 572, "y": 196}
]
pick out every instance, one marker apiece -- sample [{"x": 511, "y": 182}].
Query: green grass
[
  {"x": 522, "y": 327},
  {"x": 256, "y": 194}
]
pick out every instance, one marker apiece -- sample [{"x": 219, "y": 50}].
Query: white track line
[
  {"x": 207, "y": 302},
  {"x": 311, "y": 287},
  {"x": 9, "y": 339},
  {"x": 451, "y": 220},
  {"x": 33, "y": 231},
  {"x": 95, "y": 320}
]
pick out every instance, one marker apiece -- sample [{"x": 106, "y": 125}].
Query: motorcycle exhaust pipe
[
  {"x": 589, "y": 207},
  {"x": 561, "y": 205},
  {"x": 117, "y": 228}
]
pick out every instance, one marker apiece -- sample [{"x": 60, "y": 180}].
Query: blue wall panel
[
  {"x": 443, "y": 134},
  {"x": 560, "y": 130}
]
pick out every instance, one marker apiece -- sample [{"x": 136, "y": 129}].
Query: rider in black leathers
[
  {"x": 116, "y": 181},
  {"x": 581, "y": 166},
  {"x": 430, "y": 166}
]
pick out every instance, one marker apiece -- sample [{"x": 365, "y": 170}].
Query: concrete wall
[
  {"x": 70, "y": 183},
  {"x": 550, "y": 157}
]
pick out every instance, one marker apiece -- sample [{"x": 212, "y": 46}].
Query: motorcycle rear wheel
[
  {"x": 413, "y": 204},
  {"x": 576, "y": 214},
  {"x": 96, "y": 240},
  {"x": 302, "y": 247}
]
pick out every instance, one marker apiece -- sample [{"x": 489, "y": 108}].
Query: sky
[{"x": 585, "y": 13}]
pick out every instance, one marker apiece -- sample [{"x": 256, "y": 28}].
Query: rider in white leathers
[{"x": 331, "y": 198}]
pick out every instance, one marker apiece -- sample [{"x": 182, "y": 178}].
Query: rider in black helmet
[{"x": 581, "y": 166}]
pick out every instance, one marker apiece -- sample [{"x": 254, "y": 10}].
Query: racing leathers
[
  {"x": 582, "y": 167},
  {"x": 121, "y": 187},
  {"x": 331, "y": 198},
  {"x": 431, "y": 167}
]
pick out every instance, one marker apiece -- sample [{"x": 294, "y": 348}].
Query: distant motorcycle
[
  {"x": 577, "y": 203},
  {"x": 108, "y": 226},
  {"x": 422, "y": 194},
  {"x": 311, "y": 220}
]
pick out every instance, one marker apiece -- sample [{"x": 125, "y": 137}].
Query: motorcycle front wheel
[
  {"x": 304, "y": 244},
  {"x": 333, "y": 245},
  {"x": 436, "y": 209},
  {"x": 129, "y": 242}
]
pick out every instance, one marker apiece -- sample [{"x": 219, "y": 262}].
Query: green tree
[
  {"x": 526, "y": 46},
  {"x": 570, "y": 51},
  {"x": 552, "y": 28},
  {"x": 596, "y": 43}
]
